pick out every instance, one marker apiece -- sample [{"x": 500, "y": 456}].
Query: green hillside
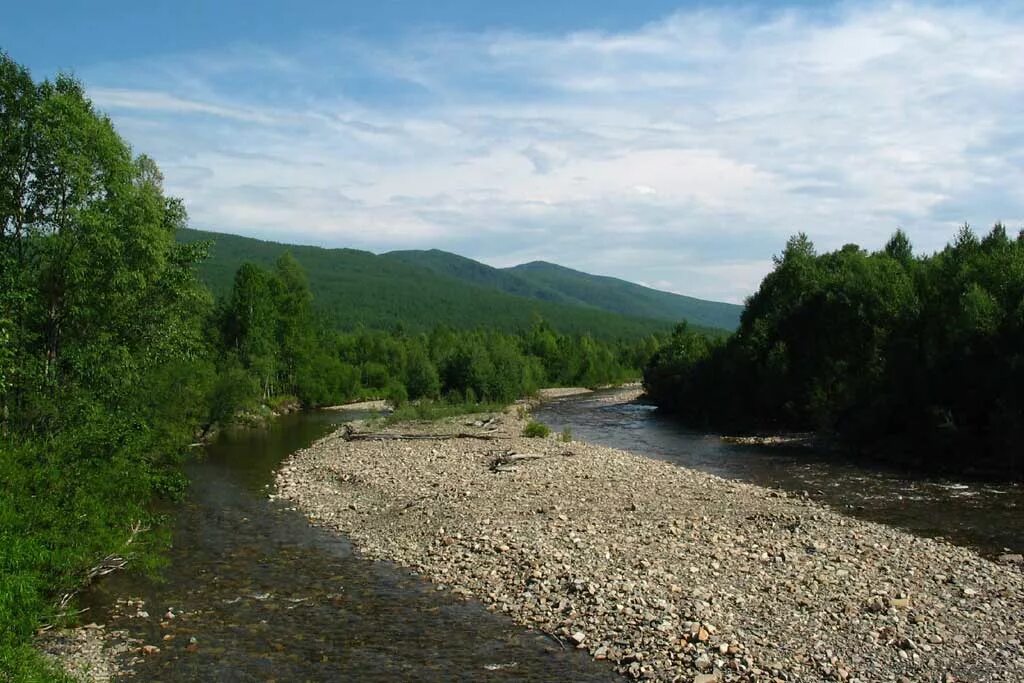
[
  {"x": 474, "y": 272},
  {"x": 550, "y": 282},
  {"x": 355, "y": 287},
  {"x": 620, "y": 296}
]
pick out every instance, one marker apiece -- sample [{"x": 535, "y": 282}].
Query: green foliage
[
  {"x": 915, "y": 359},
  {"x": 536, "y": 430},
  {"x": 566, "y": 435},
  {"x": 103, "y": 369},
  {"x": 270, "y": 332},
  {"x": 553, "y": 283},
  {"x": 354, "y": 288}
]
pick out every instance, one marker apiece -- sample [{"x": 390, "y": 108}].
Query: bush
[
  {"x": 396, "y": 394},
  {"x": 534, "y": 430},
  {"x": 566, "y": 435}
]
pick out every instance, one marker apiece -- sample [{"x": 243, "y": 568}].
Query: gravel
[
  {"x": 669, "y": 574},
  {"x": 93, "y": 652}
]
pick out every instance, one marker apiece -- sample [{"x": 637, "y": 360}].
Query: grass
[
  {"x": 66, "y": 501},
  {"x": 536, "y": 430},
  {"x": 23, "y": 663}
]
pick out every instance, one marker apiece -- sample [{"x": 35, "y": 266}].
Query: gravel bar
[{"x": 668, "y": 573}]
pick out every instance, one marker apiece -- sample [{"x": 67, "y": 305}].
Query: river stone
[{"x": 584, "y": 566}]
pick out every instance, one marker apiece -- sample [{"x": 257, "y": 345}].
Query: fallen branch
[
  {"x": 557, "y": 639},
  {"x": 108, "y": 565},
  {"x": 348, "y": 434},
  {"x": 506, "y": 461}
]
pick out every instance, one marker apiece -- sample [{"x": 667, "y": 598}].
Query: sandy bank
[
  {"x": 669, "y": 573},
  {"x": 562, "y": 392},
  {"x": 362, "y": 405}
]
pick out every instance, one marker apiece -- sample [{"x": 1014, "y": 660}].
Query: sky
[{"x": 673, "y": 144}]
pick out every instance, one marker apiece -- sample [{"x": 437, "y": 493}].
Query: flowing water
[
  {"x": 267, "y": 597},
  {"x": 986, "y": 517}
]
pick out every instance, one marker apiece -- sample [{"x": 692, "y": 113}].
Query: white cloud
[
  {"x": 154, "y": 101},
  {"x": 697, "y": 143}
]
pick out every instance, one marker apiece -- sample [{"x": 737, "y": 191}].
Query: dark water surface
[
  {"x": 269, "y": 598},
  {"x": 986, "y": 517}
]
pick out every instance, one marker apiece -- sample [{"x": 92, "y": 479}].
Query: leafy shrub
[{"x": 535, "y": 430}]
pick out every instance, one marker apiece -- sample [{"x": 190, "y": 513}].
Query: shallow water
[
  {"x": 986, "y": 517},
  {"x": 267, "y": 597}
]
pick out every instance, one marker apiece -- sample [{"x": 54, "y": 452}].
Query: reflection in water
[
  {"x": 986, "y": 517},
  {"x": 267, "y": 597}
]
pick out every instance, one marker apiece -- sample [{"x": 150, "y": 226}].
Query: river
[
  {"x": 983, "y": 516},
  {"x": 267, "y": 597}
]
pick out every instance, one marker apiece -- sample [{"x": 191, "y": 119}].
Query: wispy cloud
[
  {"x": 682, "y": 153},
  {"x": 154, "y": 101}
]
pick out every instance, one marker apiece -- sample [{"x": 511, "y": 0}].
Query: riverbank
[{"x": 668, "y": 573}]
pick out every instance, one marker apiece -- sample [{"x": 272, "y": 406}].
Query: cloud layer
[{"x": 681, "y": 154}]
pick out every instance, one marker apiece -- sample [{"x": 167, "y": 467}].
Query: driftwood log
[
  {"x": 349, "y": 434},
  {"x": 506, "y": 462}
]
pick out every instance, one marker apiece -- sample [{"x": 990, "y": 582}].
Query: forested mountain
[
  {"x": 551, "y": 282},
  {"x": 356, "y": 287},
  {"x": 613, "y": 294},
  {"x": 474, "y": 272}
]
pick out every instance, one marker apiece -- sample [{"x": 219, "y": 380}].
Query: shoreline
[{"x": 668, "y": 573}]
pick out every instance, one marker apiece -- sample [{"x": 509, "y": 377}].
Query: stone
[
  {"x": 633, "y": 559},
  {"x": 150, "y": 650},
  {"x": 900, "y": 603}
]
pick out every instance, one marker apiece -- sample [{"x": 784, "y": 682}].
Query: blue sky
[{"x": 674, "y": 144}]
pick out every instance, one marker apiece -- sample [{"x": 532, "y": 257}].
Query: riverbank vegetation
[
  {"x": 272, "y": 342},
  {"x": 917, "y": 360},
  {"x": 114, "y": 357},
  {"x": 100, "y": 340}
]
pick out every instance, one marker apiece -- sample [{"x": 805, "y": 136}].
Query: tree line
[
  {"x": 917, "y": 360},
  {"x": 101, "y": 335},
  {"x": 273, "y": 344},
  {"x": 113, "y": 355}
]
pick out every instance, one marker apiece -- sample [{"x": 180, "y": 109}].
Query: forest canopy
[{"x": 915, "y": 359}]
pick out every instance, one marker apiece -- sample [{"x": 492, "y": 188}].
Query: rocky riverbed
[{"x": 667, "y": 573}]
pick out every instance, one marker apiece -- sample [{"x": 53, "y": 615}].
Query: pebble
[{"x": 667, "y": 573}]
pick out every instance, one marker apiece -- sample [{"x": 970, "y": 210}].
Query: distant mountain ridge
[
  {"x": 552, "y": 282},
  {"x": 418, "y": 290}
]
